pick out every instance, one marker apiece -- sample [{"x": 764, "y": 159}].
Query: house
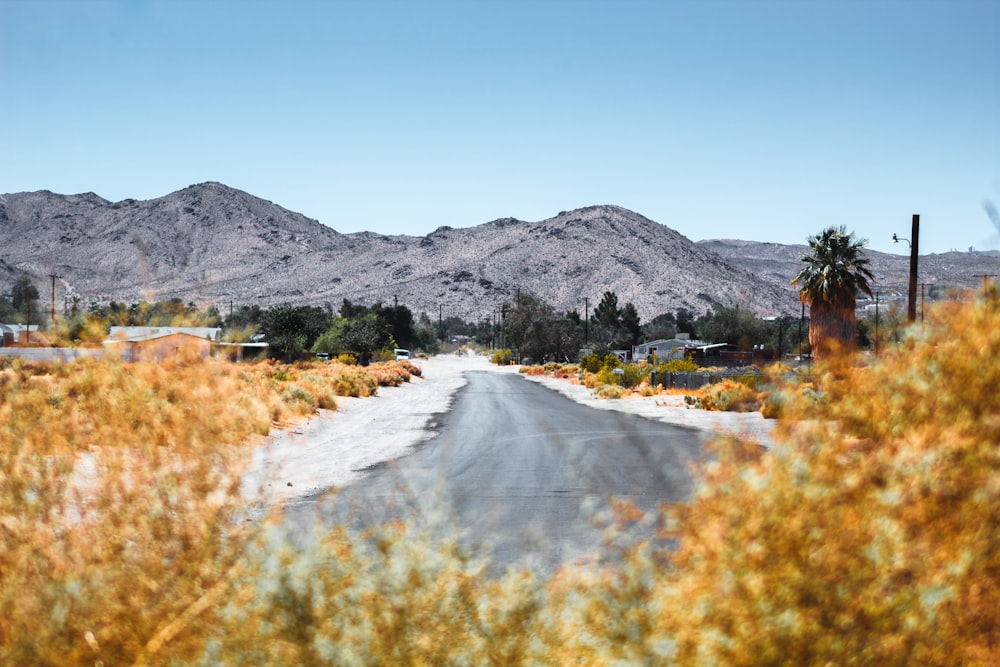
[
  {"x": 157, "y": 343},
  {"x": 666, "y": 349},
  {"x": 213, "y": 334},
  {"x": 14, "y": 334}
]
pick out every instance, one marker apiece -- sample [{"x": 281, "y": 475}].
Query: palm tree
[{"x": 833, "y": 275}]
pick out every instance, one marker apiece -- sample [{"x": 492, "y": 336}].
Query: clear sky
[{"x": 755, "y": 120}]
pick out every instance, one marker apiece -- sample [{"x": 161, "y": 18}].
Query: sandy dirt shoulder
[{"x": 335, "y": 448}]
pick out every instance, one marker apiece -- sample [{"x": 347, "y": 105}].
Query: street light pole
[
  {"x": 911, "y": 306},
  {"x": 52, "y": 312},
  {"x": 911, "y": 300}
]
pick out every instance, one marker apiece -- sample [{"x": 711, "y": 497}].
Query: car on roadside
[
  {"x": 323, "y": 356},
  {"x": 402, "y": 355}
]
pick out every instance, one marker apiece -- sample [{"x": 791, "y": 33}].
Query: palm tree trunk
[{"x": 831, "y": 328}]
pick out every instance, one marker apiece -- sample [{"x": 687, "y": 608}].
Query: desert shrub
[
  {"x": 356, "y": 383},
  {"x": 502, "y": 357},
  {"x": 392, "y": 373},
  {"x": 410, "y": 368},
  {"x": 728, "y": 396},
  {"x": 634, "y": 375},
  {"x": 553, "y": 369},
  {"x": 611, "y": 361},
  {"x": 865, "y": 536},
  {"x": 608, "y": 391},
  {"x": 591, "y": 362},
  {"x": 860, "y": 538},
  {"x": 606, "y": 376},
  {"x": 116, "y": 496},
  {"x": 299, "y": 399},
  {"x": 648, "y": 390},
  {"x": 685, "y": 365},
  {"x": 347, "y": 359},
  {"x": 772, "y": 404}
]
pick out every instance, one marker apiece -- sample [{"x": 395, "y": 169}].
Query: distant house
[
  {"x": 14, "y": 334},
  {"x": 7, "y": 335},
  {"x": 666, "y": 349},
  {"x": 681, "y": 347},
  {"x": 157, "y": 343},
  {"x": 213, "y": 334}
]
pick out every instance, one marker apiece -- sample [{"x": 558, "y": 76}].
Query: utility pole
[
  {"x": 586, "y": 321},
  {"x": 986, "y": 284},
  {"x": 781, "y": 335},
  {"x": 876, "y": 323},
  {"x": 922, "y": 286},
  {"x": 52, "y": 311},
  {"x": 802, "y": 318},
  {"x": 914, "y": 243},
  {"x": 911, "y": 306}
]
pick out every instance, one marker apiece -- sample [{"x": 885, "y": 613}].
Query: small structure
[
  {"x": 15, "y": 334},
  {"x": 158, "y": 343},
  {"x": 667, "y": 349},
  {"x": 6, "y": 335}
]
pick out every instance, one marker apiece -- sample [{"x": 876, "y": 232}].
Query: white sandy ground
[{"x": 335, "y": 448}]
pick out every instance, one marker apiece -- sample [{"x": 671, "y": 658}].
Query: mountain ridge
[{"x": 209, "y": 242}]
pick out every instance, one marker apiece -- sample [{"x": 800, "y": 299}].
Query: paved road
[{"x": 523, "y": 471}]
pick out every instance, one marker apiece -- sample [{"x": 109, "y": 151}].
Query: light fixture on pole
[{"x": 911, "y": 302}]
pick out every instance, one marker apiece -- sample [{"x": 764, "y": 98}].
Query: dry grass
[
  {"x": 866, "y": 536},
  {"x": 118, "y": 494}
]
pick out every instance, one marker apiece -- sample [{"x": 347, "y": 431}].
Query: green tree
[
  {"x": 613, "y": 327},
  {"x": 400, "y": 322},
  {"x": 735, "y": 325},
  {"x": 425, "y": 334},
  {"x": 244, "y": 317},
  {"x": 686, "y": 322},
  {"x": 366, "y": 335},
  {"x": 630, "y": 325},
  {"x": 289, "y": 330},
  {"x": 833, "y": 274},
  {"x": 663, "y": 326},
  {"x": 24, "y": 299},
  {"x": 331, "y": 341},
  {"x": 535, "y": 330}
]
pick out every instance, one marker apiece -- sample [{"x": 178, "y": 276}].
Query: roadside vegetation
[{"x": 863, "y": 537}]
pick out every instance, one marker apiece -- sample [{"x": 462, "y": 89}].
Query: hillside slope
[{"x": 209, "y": 243}]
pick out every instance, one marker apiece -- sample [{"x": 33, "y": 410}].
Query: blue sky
[{"x": 756, "y": 120}]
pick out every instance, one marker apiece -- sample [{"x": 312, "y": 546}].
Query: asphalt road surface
[{"x": 521, "y": 472}]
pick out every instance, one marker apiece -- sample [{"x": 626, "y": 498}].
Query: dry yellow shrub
[
  {"x": 870, "y": 535},
  {"x": 867, "y": 536},
  {"x": 119, "y": 508}
]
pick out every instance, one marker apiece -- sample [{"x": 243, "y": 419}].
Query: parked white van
[{"x": 402, "y": 355}]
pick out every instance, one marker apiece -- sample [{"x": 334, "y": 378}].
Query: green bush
[
  {"x": 728, "y": 396},
  {"x": 501, "y": 357},
  {"x": 634, "y": 375},
  {"x": 590, "y": 363},
  {"x": 685, "y": 365}
]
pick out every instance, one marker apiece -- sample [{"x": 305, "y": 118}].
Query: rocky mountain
[
  {"x": 212, "y": 243},
  {"x": 778, "y": 264}
]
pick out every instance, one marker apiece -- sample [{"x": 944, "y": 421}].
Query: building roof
[{"x": 140, "y": 334}]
